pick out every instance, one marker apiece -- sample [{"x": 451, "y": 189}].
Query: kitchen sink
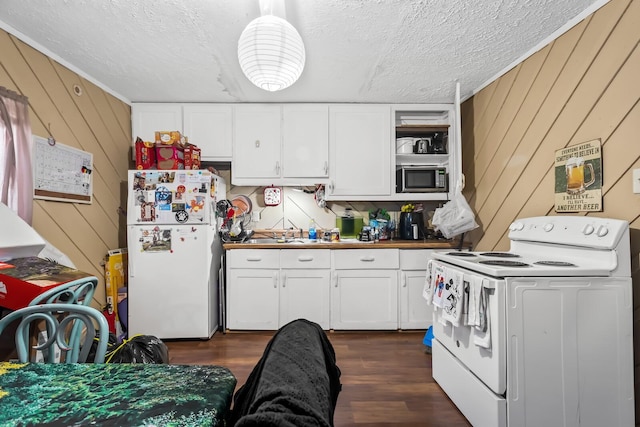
[{"x": 271, "y": 240}]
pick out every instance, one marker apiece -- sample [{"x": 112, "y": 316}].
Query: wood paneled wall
[
  {"x": 585, "y": 85},
  {"x": 94, "y": 121}
]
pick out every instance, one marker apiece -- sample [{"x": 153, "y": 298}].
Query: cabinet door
[
  {"x": 360, "y": 145},
  {"x": 305, "y": 139},
  {"x": 305, "y": 294},
  {"x": 147, "y": 118},
  {"x": 257, "y": 138},
  {"x": 252, "y": 299},
  {"x": 364, "y": 299},
  {"x": 415, "y": 313},
  {"x": 210, "y": 127}
]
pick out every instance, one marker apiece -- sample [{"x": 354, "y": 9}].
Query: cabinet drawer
[
  {"x": 414, "y": 259},
  {"x": 305, "y": 258},
  {"x": 253, "y": 258},
  {"x": 361, "y": 259}
]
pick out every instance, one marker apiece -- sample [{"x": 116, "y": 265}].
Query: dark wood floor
[{"x": 386, "y": 376}]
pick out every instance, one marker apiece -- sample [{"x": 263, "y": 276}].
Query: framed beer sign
[{"x": 578, "y": 178}]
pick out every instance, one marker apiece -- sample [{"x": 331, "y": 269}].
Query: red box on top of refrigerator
[
  {"x": 145, "y": 154},
  {"x": 170, "y": 157},
  {"x": 192, "y": 156}
]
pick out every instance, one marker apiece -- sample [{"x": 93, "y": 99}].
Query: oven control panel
[{"x": 593, "y": 232}]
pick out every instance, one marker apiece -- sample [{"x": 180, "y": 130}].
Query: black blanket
[{"x": 295, "y": 383}]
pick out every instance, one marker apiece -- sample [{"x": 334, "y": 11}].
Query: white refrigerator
[{"x": 175, "y": 252}]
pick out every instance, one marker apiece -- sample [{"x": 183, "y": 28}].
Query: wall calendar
[{"x": 61, "y": 173}]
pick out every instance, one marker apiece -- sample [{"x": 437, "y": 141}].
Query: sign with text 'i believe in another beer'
[{"x": 578, "y": 173}]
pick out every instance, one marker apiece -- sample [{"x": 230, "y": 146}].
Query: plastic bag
[
  {"x": 455, "y": 217},
  {"x": 112, "y": 344},
  {"x": 140, "y": 349}
]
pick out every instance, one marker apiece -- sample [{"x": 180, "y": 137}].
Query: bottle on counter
[{"x": 313, "y": 235}]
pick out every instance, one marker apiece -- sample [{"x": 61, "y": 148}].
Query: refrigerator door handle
[{"x": 130, "y": 263}]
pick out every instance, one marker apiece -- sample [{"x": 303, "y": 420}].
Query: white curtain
[{"x": 16, "y": 176}]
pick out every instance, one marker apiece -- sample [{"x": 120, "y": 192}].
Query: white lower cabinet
[
  {"x": 304, "y": 289},
  {"x": 253, "y": 277},
  {"x": 415, "y": 313},
  {"x": 252, "y": 301},
  {"x": 364, "y": 293},
  {"x": 374, "y": 289},
  {"x": 268, "y": 288}
]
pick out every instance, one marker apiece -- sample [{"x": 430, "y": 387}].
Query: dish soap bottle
[{"x": 313, "y": 235}]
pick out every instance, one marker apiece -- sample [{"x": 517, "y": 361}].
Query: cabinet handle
[
  {"x": 254, "y": 259},
  {"x": 326, "y": 168},
  {"x": 367, "y": 259},
  {"x": 305, "y": 258},
  {"x": 404, "y": 280},
  {"x": 284, "y": 280},
  {"x": 277, "y": 167},
  {"x": 335, "y": 279},
  {"x": 275, "y": 280}
]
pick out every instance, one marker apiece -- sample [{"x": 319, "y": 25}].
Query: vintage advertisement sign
[{"x": 578, "y": 172}]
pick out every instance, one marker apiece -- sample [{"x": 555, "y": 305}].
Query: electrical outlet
[
  {"x": 255, "y": 216},
  {"x": 636, "y": 181}
]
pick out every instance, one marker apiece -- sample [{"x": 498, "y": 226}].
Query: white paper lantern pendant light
[{"x": 271, "y": 53}]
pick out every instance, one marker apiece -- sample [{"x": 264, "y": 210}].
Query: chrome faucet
[{"x": 284, "y": 235}]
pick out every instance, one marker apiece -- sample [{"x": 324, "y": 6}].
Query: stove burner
[
  {"x": 555, "y": 263},
  {"x": 461, "y": 254},
  {"x": 501, "y": 254},
  {"x": 504, "y": 263}
]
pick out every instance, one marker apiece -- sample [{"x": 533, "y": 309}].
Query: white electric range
[{"x": 540, "y": 335}]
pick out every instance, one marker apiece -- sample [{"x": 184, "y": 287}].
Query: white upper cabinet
[
  {"x": 257, "y": 144},
  {"x": 280, "y": 144},
  {"x": 305, "y": 152},
  {"x": 359, "y": 141},
  {"x": 210, "y": 127},
  {"x": 146, "y": 119}
]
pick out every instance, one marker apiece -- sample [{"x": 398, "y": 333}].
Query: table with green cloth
[{"x": 114, "y": 394}]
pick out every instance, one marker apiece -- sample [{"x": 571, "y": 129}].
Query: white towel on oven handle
[
  {"x": 453, "y": 296},
  {"x": 472, "y": 298},
  {"x": 482, "y": 329},
  {"x": 427, "y": 290},
  {"x": 437, "y": 292}
]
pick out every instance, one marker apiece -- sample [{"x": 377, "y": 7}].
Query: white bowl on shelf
[{"x": 405, "y": 145}]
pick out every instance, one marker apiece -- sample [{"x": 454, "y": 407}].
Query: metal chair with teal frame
[
  {"x": 64, "y": 324},
  {"x": 79, "y": 291}
]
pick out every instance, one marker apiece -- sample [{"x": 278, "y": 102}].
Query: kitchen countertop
[{"x": 351, "y": 244}]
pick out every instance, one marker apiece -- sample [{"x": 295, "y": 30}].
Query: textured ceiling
[{"x": 395, "y": 51}]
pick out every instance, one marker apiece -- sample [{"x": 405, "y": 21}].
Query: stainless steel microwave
[{"x": 421, "y": 179}]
